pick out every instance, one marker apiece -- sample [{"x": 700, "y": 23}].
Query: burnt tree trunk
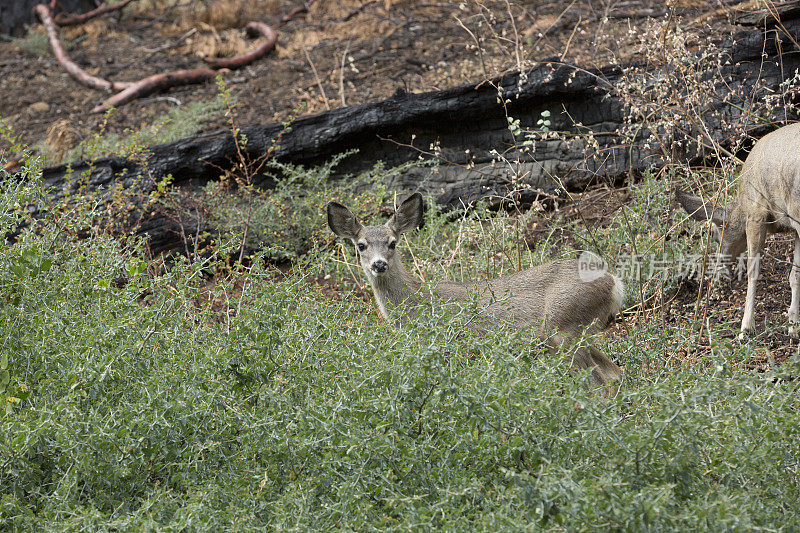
[
  {"x": 465, "y": 125},
  {"x": 16, "y": 14}
]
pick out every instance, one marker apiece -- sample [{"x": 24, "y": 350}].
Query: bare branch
[
  {"x": 133, "y": 90},
  {"x": 294, "y": 12},
  {"x": 45, "y": 14},
  {"x": 253, "y": 28},
  {"x": 73, "y": 20},
  {"x": 156, "y": 82}
]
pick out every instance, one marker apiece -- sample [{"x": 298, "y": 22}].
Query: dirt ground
[
  {"x": 341, "y": 53},
  {"x": 725, "y": 305}
]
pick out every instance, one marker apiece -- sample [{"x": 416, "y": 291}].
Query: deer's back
[
  {"x": 769, "y": 183},
  {"x": 549, "y": 296}
]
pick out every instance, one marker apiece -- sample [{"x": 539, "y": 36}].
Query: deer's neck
[
  {"x": 395, "y": 287},
  {"x": 734, "y": 236}
]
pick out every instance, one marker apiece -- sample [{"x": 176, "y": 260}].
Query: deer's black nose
[{"x": 380, "y": 266}]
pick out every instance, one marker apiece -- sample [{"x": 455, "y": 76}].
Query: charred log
[{"x": 466, "y": 127}]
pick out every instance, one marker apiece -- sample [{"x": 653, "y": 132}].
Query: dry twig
[
  {"x": 153, "y": 83},
  {"x": 316, "y": 77},
  {"x": 253, "y": 28},
  {"x": 165, "y": 80},
  {"x": 45, "y": 14},
  {"x": 69, "y": 19}
]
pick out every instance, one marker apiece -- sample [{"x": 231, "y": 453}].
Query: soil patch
[{"x": 360, "y": 52}]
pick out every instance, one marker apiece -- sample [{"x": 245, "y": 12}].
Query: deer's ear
[
  {"x": 700, "y": 210},
  {"x": 408, "y": 216},
  {"x": 343, "y": 222}
]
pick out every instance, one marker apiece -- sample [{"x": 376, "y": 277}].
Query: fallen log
[{"x": 466, "y": 126}]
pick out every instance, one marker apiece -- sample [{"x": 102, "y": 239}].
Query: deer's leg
[
  {"x": 756, "y": 233},
  {"x": 794, "y": 283},
  {"x": 604, "y": 370}
]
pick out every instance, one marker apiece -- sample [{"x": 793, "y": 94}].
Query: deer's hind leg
[
  {"x": 794, "y": 283},
  {"x": 756, "y": 233}
]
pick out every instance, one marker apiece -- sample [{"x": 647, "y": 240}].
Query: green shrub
[
  {"x": 34, "y": 43},
  {"x": 177, "y": 123},
  {"x": 649, "y": 244},
  {"x": 257, "y": 400},
  {"x": 288, "y": 220}
]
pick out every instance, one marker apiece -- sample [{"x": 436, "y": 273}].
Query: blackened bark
[
  {"x": 16, "y": 14},
  {"x": 465, "y": 124}
]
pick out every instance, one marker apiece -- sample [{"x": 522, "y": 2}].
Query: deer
[
  {"x": 767, "y": 202},
  {"x": 553, "y": 299}
]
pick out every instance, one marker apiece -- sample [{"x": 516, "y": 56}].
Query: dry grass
[
  {"x": 90, "y": 32},
  {"x": 61, "y": 138},
  {"x": 210, "y": 43},
  {"x": 150, "y": 6},
  {"x": 216, "y": 13},
  {"x": 295, "y": 43},
  {"x": 224, "y": 14}
]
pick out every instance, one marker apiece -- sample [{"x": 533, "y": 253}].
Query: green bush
[
  {"x": 177, "y": 123},
  {"x": 34, "y": 43},
  {"x": 286, "y": 220},
  {"x": 168, "y": 402}
]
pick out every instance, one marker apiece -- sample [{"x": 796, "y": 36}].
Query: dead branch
[
  {"x": 258, "y": 28},
  {"x": 294, "y": 12},
  {"x": 164, "y": 80},
  {"x": 45, "y": 14},
  {"x": 70, "y": 19},
  {"x": 359, "y": 9},
  {"x": 253, "y": 28}
]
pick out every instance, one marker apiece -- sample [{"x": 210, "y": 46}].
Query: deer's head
[
  {"x": 376, "y": 245},
  {"x": 728, "y": 226}
]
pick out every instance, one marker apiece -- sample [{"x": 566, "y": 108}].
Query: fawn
[{"x": 554, "y": 299}]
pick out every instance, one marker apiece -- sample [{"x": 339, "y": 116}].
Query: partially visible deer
[
  {"x": 768, "y": 202},
  {"x": 553, "y": 299}
]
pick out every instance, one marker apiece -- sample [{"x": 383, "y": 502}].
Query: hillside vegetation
[
  {"x": 200, "y": 395},
  {"x": 248, "y": 383}
]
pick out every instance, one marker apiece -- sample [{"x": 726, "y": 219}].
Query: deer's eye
[
  {"x": 392, "y": 245},
  {"x": 362, "y": 247}
]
